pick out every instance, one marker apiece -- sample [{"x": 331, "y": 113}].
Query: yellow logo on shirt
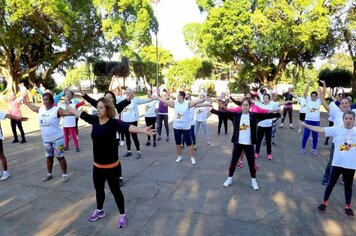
[
  {"x": 244, "y": 126},
  {"x": 147, "y": 107},
  {"x": 346, "y": 147},
  {"x": 314, "y": 110},
  {"x": 179, "y": 116},
  {"x": 126, "y": 109},
  {"x": 199, "y": 112}
]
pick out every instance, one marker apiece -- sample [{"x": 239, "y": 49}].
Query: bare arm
[
  {"x": 307, "y": 88},
  {"x": 32, "y": 107},
  {"x": 169, "y": 103},
  {"x": 148, "y": 130},
  {"x": 318, "y": 129},
  {"x": 71, "y": 111},
  {"x": 322, "y": 98},
  {"x": 12, "y": 117},
  {"x": 193, "y": 103}
]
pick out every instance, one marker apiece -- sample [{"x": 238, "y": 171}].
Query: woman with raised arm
[
  {"x": 15, "y": 110},
  {"x": 312, "y": 117},
  {"x": 344, "y": 158},
  {"x": 106, "y": 157},
  {"x": 52, "y": 134},
  {"x": 244, "y": 137},
  {"x": 181, "y": 123}
]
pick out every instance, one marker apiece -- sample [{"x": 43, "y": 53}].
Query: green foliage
[
  {"x": 99, "y": 68},
  {"x": 102, "y": 83},
  {"x": 74, "y": 75},
  {"x": 265, "y": 35},
  {"x": 239, "y": 86},
  {"x": 50, "y": 83},
  {"x": 209, "y": 87},
  {"x": 186, "y": 71},
  {"x": 338, "y": 77}
]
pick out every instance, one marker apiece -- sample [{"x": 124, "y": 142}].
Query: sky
[{"x": 172, "y": 15}]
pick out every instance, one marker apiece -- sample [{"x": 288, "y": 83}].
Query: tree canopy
[
  {"x": 265, "y": 36},
  {"x": 39, "y": 36}
]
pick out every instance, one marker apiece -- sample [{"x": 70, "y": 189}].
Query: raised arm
[
  {"x": 59, "y": 96},
  {"x": 307, "y": 88},
  {"x": 169, "y": 103},
  {"x": 31, "y": 106},
  {"x": 318, "y": 129},
  {"x": 224, "y": 114},
  {"x": 148, "y": 130},
  {"x": 322, "y": 98},
  {"x": 193, "y": 103},
  {"x": 237, "y": 102}
]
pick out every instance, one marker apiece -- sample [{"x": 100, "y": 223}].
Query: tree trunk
[
  {"x": 11, "y": 80},
  {"x": 353, "y": 83}
]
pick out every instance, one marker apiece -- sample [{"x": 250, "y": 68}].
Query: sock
[
  {"x": 63, "y": 175},
  {"x": 129, "y": 151},
  {"x": 99, "y": 210},
  {"x": 123, "y": 215},
  {"x": 139, "y": 151},
  {"x": 49, "y": 174},
  {"x": 324, "y": 202},
  {"x": 4, "y": 172}
]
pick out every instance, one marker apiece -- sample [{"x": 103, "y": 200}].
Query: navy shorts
[{"x": 179, "y": 133}]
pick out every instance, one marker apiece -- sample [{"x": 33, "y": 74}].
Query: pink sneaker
[
  {"x": 269, "y": 157},
  {"x": 122, "y": 221},
  {"x": 256, "y": 155},
  {"x": 240, "y": 164}
]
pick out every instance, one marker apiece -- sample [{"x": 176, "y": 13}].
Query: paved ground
[{"x": 166, "y": 198}]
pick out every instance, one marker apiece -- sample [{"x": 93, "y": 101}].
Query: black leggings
[
  {"x": 250, "y": 155},
  {"x": 331, "y": 123},
  {"x": 221, "y": 120},
  {"x": 290, "y": 113},
  {"x": 348, "y": 176},
  {"x": 162, "y": 118},
  {"x": 151, "y": 121},
  {"x": 134, "y": 137},
  {"x": 112, "y": 176},
  {"x": 13, "y": 127},
  {"x": 264, "y": 131}
]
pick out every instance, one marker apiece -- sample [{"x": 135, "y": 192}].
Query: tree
[
  {"x": 42, "y": 35},
  {"x": 144, "y": 62},
  {"x": 184, "y": 73},
  {"x": 74, "y": 75},
  {"x": 338, "y": 77},
  {"x": 347, "y": 28},
  {"x": 265, "y": 36}
]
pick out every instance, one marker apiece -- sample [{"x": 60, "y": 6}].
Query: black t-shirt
[{"x": 105, "y": 145}]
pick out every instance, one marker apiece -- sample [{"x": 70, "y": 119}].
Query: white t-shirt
[
  {"x": 345, "y": 146},
  {"x": 2, "y": 117},
  {"x": 201, "y": 114},
  {"x": 245, "y": 130},
  {"x": 270, "y": 106},
  {"x": 302, "y": 105},
  {"x": 313, "y": 109},
  {"x": 68, "y": 121},
  {"x": 49, "y": 124},
  {"x": 191, "y": 115},
  {"x": 130, "y": 112},
  {"x": 150, "y": 108},
  {"x": 181, "y": 116}
]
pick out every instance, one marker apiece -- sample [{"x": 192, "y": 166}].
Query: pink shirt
[
  {"x": 253, "y": 108},
  {"x": 14, "y": 107}
]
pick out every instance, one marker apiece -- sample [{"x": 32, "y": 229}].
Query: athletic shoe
[
  {"x": 208, "y": 143},
  {"x": 240, "y": 164},
  {"x": 349, "y": 212},
  {"x": 228, "y": 182},
  {"x": 97, "y": 214},
  {"x": 15, "y": 141},
  {"x": 342, "y": 181},
  {"x": 322, "y": 208},
  {"x": 138, "y": 155},
  {"x": 325, "y": 180},
  {"x": 77, "y": 150},
  {"x": 291, "y": 126},
  {"x": 154, "y": 144},
  {"x": 302, "y": 152},
  {"x": 23, "y": 141},
  {"x": 122, "y": 143},
  {"x": 65, "y": 178},
  {"x": 254, "y": 185},
  {"x": 5, "y": 176},
  {"x": 269, "y": 157},
  {"x": 257, "y": 155},
  {"x": 121, "y": 182},
  {"x": 274, "y": 144},
  {"x": 179, "y": 159},
  {"x": 159, "y": 138},
  {"x": 167, "y": 139},
  {"x": 192, "y": 159},
  {"x": 148, "y": 144},
  {"x": 314, "y": 152},
  {"x": 65, "y": 149},
  {"x": 122, "y": 222},
  {"x": 128, "y": 154},
  {"x": 299, "y": 130},
  {"x": 48, "y": 177},
  {"x": 281, "y": 126}
]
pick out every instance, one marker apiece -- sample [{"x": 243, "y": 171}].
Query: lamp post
[{"x": 156, "y": 33}]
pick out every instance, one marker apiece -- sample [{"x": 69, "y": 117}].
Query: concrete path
[{"x": 166, "y": 198}]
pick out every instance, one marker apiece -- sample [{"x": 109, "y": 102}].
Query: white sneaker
[
  {"x": 5, "y": 176},
  {"x": 254, "y": 185},
  {"x": 179, "y": 159},
  {"x": 122, "y": 143},
  {"x": 192, "y": 159},
  {"x": 299, "y": 130},
  {"x": 281, "y": 126},
  {"x": 208, "y": 142},
  {"x": 228, "y": 182},
  {"x": 291, "y": 126}
]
